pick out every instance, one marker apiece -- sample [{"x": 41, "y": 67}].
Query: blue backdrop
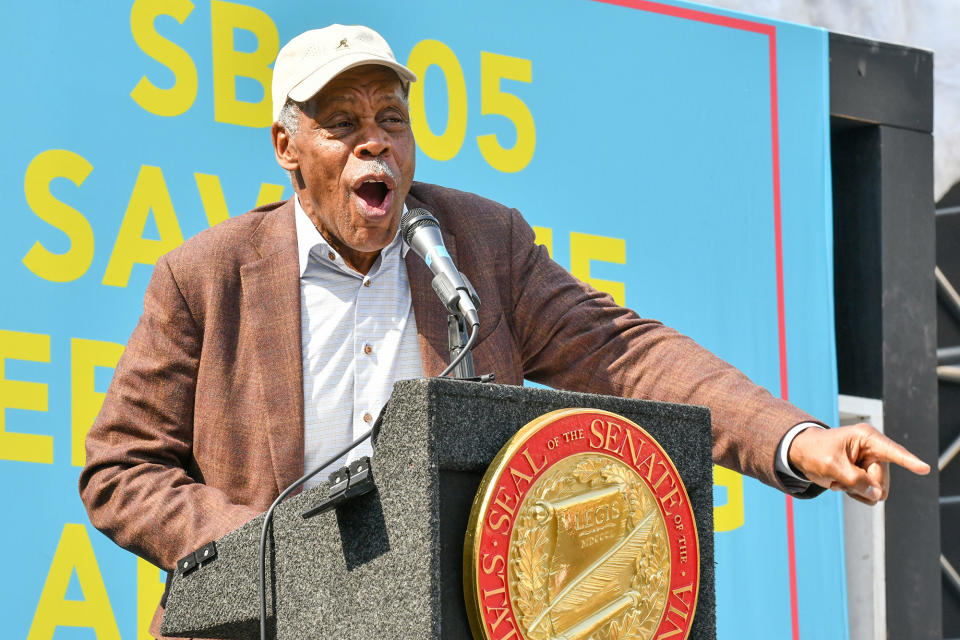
[{"x": 674, "y": 155}]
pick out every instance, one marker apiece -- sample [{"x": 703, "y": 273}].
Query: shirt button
[
  {"x": 366, "y": 282},
  {"x": 367, "y": 417},
  {"x": 367, "y": 349},
  {"x": 332, "y": 255}
]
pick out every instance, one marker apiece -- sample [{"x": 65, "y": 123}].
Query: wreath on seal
[{"x": 529, "y": 557}]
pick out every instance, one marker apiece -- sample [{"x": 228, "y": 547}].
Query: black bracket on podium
[
  {"x": 345, "y": 483},
  {"x": 196, "y": 559}
]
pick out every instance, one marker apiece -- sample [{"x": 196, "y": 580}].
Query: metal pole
[
  {"x": 948, "y": 293},
  {"x": 951, "y": 573},
  {"x": 948, "y": 373},
  {"x": 948, "y": 355},
  {"x": 949, "y": 454}
]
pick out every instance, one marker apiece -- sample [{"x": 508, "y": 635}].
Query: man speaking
[{"x": 274, "y": 339}]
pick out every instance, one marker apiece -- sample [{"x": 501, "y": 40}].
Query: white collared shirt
[{"x": 359, "y": 337}]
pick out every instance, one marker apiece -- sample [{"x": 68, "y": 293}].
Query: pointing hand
[{"x": 854, "y": 459}]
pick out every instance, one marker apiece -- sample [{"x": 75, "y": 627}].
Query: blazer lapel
[
  {"x": 430, "y": 313},
  {"x": 271, "y": 306}
]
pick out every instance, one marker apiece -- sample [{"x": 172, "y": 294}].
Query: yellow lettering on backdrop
[
  {"x": 16, "y": 394},
  {"x": 269, "y": 193},
  {"x": 85, "y": 401},
  {"x": 229, "y": 64},
  {"x": 58, "y": 267},
  {"x": 493, "y": 100},
  {"x": 544, "y": 236},
  {"x": 74, "y": 552},
  {"x": 215, "y": 205},
  {"x": 729, "y": 516},
  {"x": 585, "y": 247},
  {"x": 150, "y": 585},
  {"x": 180, "y": 97},
  {"x": 447, "y": 144},
  {"x": 149, "y": 194}
]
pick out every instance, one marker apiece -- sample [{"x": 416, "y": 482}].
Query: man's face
[{"x": 356, "y": 154}]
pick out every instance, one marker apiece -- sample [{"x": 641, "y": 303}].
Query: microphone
[{"x": 422, "y": 232}]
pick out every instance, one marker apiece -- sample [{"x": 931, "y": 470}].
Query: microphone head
[{"x": 413, "y": 219}]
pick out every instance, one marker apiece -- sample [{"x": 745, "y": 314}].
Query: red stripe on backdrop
[{"x": 770, "y": 31}]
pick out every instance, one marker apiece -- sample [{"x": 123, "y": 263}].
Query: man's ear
[{"x": 285, "y": 148}]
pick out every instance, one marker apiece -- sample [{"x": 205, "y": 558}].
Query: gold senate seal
[{"x": 581, "y": 530}]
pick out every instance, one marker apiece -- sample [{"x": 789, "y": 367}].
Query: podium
[{"x": 388, "y": 564}]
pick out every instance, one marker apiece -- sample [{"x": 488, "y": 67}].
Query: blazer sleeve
[
  {"x": 136, "y": 484},
  {"x": 572, "y": 336}
]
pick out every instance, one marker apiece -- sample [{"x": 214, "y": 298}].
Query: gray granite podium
[{"x": 388, "y": 564}]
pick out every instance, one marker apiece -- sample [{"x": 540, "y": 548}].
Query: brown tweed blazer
[{"x": 203, "y": 423}]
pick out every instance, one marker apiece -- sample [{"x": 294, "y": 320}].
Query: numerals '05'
[
  {"x": 493, "y": 101},
  {"x": 493, "y": 68}
]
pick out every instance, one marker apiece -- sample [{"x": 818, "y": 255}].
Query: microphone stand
[
  {"x": 457, "y": 340},
  {"x": 460, "y": 354}
]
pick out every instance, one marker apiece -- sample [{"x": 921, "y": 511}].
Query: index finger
[{"x": 884, "y": 449}]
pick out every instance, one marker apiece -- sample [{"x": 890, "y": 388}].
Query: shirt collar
[{"x": 308, "y": 237}]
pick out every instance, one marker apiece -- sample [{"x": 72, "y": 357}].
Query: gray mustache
[{"x": 379, "y": 167}]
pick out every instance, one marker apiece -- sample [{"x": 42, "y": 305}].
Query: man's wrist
[{"x": 782, "y": 462}]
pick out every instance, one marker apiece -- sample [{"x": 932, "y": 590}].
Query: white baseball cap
[{"x": 307, "y": 63}]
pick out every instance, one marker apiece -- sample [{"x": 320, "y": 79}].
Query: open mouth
[{"x": 373, "y": 193}]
